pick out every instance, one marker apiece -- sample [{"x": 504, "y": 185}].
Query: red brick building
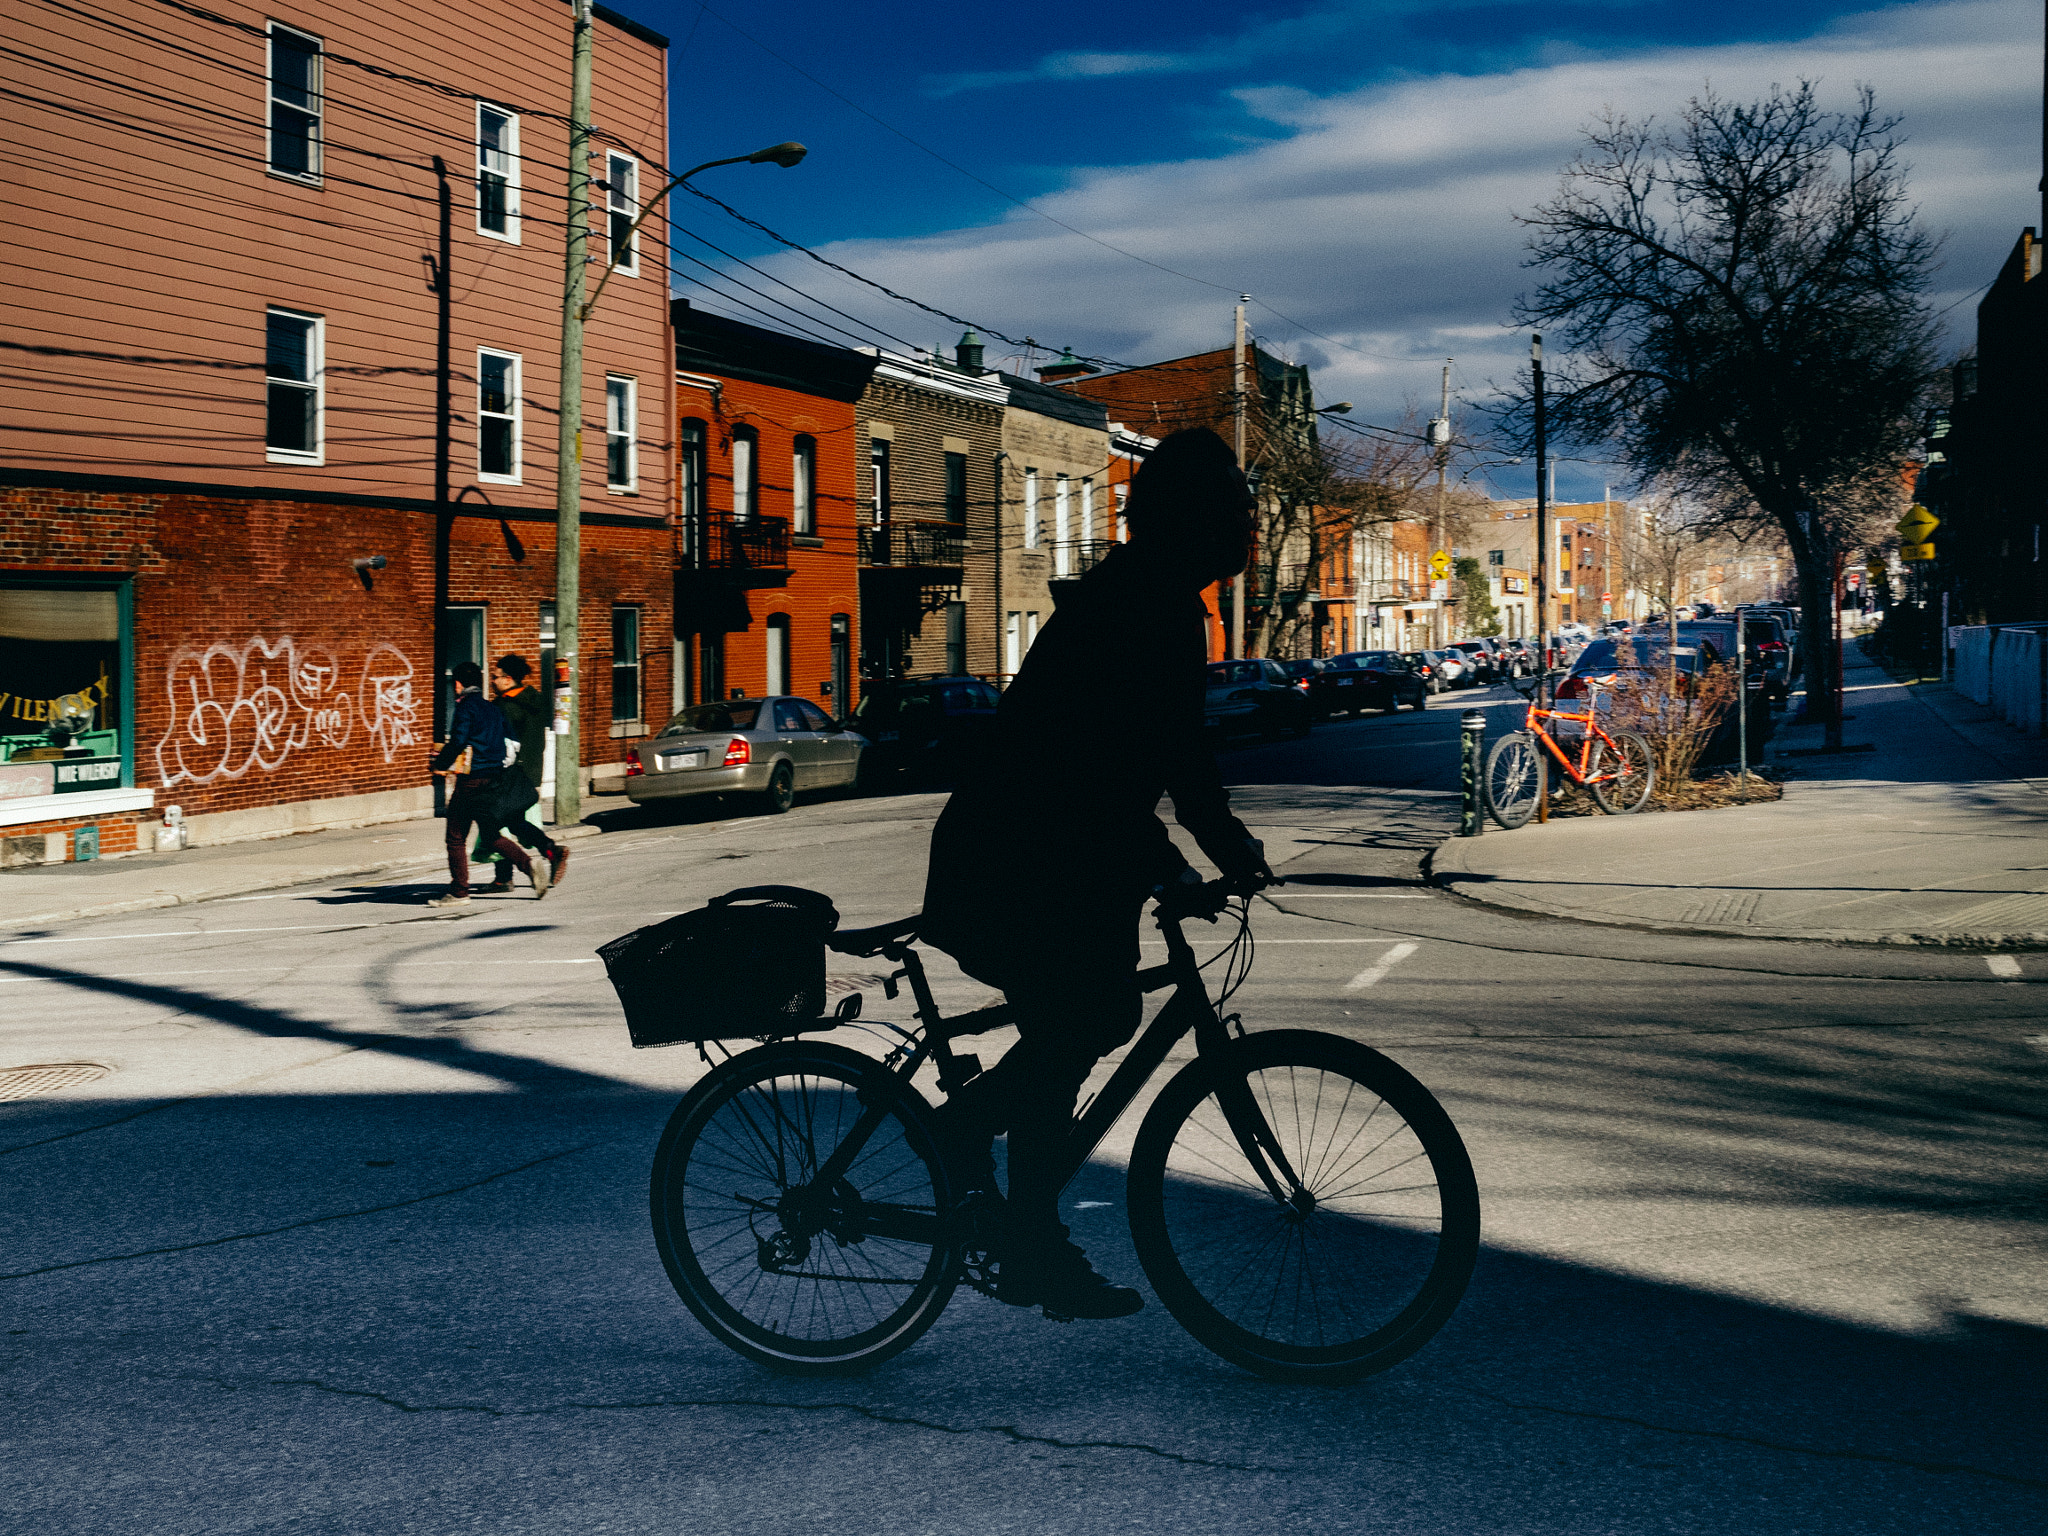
[
  {"x": 274, "y": 458},
  {"x": 768, "y": 593}
]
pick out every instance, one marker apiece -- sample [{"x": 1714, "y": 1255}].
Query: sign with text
[{"x": 87, "y": 773}]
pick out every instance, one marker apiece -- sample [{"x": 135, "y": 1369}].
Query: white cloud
[{"x": 1382, "y": 217}]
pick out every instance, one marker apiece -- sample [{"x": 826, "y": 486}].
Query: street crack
[
  {"x": 1009, "y": 1432},
  {"x": 1962, "y": 1468},
  {"x": 293, "y": 1226}
]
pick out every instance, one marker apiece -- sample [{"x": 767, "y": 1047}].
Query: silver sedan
[{"x": 767, "y": 749}]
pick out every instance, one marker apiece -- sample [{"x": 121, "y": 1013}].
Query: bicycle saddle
[{"x": 867, "y": 942}]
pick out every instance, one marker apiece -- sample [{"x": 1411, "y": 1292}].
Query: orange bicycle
[{"x": 1615, "y": 766}]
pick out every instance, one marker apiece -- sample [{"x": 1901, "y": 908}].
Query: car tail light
[
  {"x": 634, "y": 765},
  {"x": 1775, "y": 647},
  {"x": 738, "y": 750},
  {"x": 1572, "y": 688}
]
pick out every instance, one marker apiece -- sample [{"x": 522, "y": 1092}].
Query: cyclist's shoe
[{"x": 1057, "y": 1277}]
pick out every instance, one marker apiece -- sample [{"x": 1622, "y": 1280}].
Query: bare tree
[{"x": 1739, "y": 299}]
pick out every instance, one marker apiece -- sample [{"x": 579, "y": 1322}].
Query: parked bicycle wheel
[
  {"x": 1352, "y": 1274},
  {"x": 798, "y": 1277},
  {"x": 1633, "y": 770},
  {"x": 1514, "y": 779}
]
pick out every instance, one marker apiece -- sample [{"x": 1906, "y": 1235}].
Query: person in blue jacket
[{"x": 479, "y": 729}]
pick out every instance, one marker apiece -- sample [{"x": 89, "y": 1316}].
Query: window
[
  {"x": 1061, "y": 554},
  {"x": 690, "y": 484},
  {"x": 1013, "y": 641},
  {"x": 815, "y": 718},
  {"x": 1122, "y": 493},
  {"x": 497, "y": 173},
  {"x": 789, "y": 714},
  {"x": 744, "y": 473},
  {"x": 292, "y": 346},
  {"x": 878, "y": 476},
  {"x": 778, "y": 653},
  {"x": 625, "y": 664},
  {"x": 1087, "y": 508},
  {"x": 295, "y": 104},
  {"x": 841, "y": 686},
  {"x": 956, "y": 637},
  {"x": 66, "y": 652},
  {"x": 956, "y": 487},
  {"x": 622, "y": 176},
  {"x": 497, "y": 417},
  {"x": 1497, "y": 557},
  {"x": 621, "y": 449},
  {"x": 1030, "y": 631},
  {"x": 1031, "y": 509},
  {"x": 803, "y": 486}
]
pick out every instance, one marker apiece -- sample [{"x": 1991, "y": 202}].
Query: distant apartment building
[
  {"x": 768, "y": 583},
  {"x": 1585, "y": 571},
  {"x": 281, "y": 322},
  {"x": 1060, "y": 511}
]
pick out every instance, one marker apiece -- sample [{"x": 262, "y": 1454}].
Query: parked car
[
  {"x": 1690, "y": 657},
  {"x": 1432, "y": 670},
  {"x": 1255, "y": 697},
  {"x": 1527, "y": 660},
  {"x": 1305, "y": 670},
  {"x": 1383, "y": 680},
  {"x": 769, "y": 749},
  {"x": 1487, "y": 664},
  {"x": 1455, "y": 666},
  {"x": 924, "y": 728}
]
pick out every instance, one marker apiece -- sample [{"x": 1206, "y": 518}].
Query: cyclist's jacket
[{"x": 1105, "y": 715}]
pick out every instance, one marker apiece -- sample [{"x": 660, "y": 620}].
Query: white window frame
[
  {"x": 517, "y": 416},
  {"x": 1087, "y": 509},
  {"x": 803, "y": 486},
  {"x": 1062, "y": 554},
  {"x": 1121, "y": 495},
  {"x": 621, "y": 200},
  {"x": 746, "y": 474},
  {"x": 1013, "y": 641},
  {"x": 622, "y": 424},
  {"x": 506, "y": 169},
  {"x": 316, "y": 386},
  {"x": 317, "y": 111},
  {"x": 1031, "y": 509},
  {"x": 1030, "y": 630}
]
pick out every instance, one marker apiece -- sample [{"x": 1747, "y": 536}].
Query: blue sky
[{"x": 1352, "y": 163}]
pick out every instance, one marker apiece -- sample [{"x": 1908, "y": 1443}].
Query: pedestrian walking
[
  {"x": 527, "y": 722},
  {"x": 473, "y": 757}
]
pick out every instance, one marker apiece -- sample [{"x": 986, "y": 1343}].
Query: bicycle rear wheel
[
  {"x": 804, "y": 1279},
  {"x": 1634, "y": 773},
  {"x": 1324, "y": 1289},
  {"x": 1514, "y": 779}
]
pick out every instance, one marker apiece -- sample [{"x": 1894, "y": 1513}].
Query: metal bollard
[{"x": 1471, "y": 741}]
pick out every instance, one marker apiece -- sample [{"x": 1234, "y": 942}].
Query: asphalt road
[{"x": 354, "y": 1238}]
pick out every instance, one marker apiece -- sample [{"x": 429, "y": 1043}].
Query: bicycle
[
  {"x": 1301, "y": 1204},
  {"x": 1616, "y": 767}
]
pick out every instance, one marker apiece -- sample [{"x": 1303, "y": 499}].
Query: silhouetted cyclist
[{"x": 1046, "y": 853}]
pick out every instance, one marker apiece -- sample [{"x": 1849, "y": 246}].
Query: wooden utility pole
[
  {"x": 1244, "y": 582},
  {"x": 1542, "y": 572},
  {"x": 1440, "y": 443},
  {"x": 569, "y": 434}
]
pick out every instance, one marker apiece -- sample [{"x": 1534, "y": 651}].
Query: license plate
[{"x": 675, "y": 760}]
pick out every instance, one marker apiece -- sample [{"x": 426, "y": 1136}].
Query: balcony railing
[
  {"x": 1077, "y": 557},
  {"x": 913, "y": 545},
  {"x": 759, "y": 544}
]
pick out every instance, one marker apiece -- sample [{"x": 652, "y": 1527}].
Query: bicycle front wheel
[
  {"x": 1514, "y": 779},
  {"x": 795, "y": 1275},
  {"x": 1621, "y": 779},
  {"x": 1361, "y": 1265}
]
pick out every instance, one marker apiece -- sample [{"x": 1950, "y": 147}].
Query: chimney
[
  {"x": 1068, "y": 367},
  {"x": 968, "y": 353}
]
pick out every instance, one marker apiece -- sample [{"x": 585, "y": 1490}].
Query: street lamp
[
  {"x": 569, "y": 440},
  {"x": 1341, "y": 408}
]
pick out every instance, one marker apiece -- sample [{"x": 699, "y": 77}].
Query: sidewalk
[
  {"x": 103, "y": 887},
  {"x": 1938, "y": 836}
]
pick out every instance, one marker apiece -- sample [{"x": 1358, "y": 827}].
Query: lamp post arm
[{"x": 641, "y": 218}]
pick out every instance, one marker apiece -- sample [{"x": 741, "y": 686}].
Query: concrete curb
[
  {"x": 253, "y": 884},
  {"x": 1443, "y": 865}
]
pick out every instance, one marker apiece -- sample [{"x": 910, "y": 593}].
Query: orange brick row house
[{"x": 278, "y": 376}]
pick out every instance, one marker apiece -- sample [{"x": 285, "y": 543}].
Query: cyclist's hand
[
  {"x": 1189, "y": 895},
  {"x": 1246, "y": 870}
]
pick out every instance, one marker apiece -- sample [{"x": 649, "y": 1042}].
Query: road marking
[
  {"x": 1352, "y": 896},
  {"x": 197, "y": 933},
  {"x": 1372, "y": 974},
  {"x": 591, "y": 961},
  {"x": 2002, "y": 965}
]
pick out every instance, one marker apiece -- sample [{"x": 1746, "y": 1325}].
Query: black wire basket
[{"x": 750, "y": 962}]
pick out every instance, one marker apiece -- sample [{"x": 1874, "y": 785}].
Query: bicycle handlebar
[{"x": 1207, "y": 900}]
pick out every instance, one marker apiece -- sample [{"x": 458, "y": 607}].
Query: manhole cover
[{"x": 27, "y": 1082}]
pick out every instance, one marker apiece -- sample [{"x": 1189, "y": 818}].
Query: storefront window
[{"x": 65, "y": 709}]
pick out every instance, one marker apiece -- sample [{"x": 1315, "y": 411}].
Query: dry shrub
[{"x": 1677, "y": 712}]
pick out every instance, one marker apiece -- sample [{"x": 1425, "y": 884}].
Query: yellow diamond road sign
[
  {"x": 1917, "y": 526},
  {"x": 1440, "y": 565}
]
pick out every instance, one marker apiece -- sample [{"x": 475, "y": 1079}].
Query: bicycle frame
[
  {"x": 1577, "y": 772},
  {"x": 1187, "y": 1010}
]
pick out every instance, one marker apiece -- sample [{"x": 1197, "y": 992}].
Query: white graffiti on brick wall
[{"x": 238, "y": 708}]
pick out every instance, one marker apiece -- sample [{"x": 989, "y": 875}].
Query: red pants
[{"x": 474, "y": 804}]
